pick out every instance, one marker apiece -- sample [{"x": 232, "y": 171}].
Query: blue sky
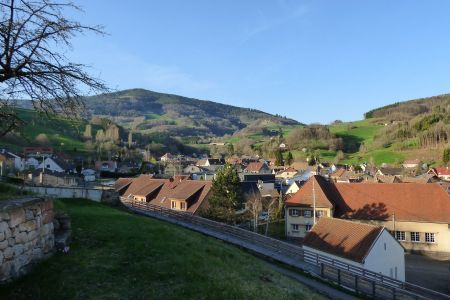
[{"x": 314, "y": 61}]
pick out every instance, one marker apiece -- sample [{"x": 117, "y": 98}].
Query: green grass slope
[
  {"x": 63, "y": 134},
  {"x": 148, "y": 111},
  {"x": 117, "y": 255}
]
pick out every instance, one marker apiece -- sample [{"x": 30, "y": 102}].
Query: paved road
[{"x": 428, "y": 273}]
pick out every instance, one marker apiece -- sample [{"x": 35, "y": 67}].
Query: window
[
  {"x": 183, "y": 206},
  {"x": 429, "y": 237},
  {"x": 320, "y": 213},
  {"x": 174, "y": 204},
  {"x": 308, "y": 227},
  {"x": 415, "y": 237},
  {"x": 294, "y": 227},
  {"x": 307, "y": 213},
  {"x": 294, "y": 212},
  {"x": 400, "y": 236}
]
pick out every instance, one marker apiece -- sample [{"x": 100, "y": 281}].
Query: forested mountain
[{"x": 149, "y": 112}]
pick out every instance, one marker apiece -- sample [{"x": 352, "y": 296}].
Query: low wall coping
[{"x": 9, "y": 204}]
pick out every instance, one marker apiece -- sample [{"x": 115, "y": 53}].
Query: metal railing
[{"x": 346, "y": 275}]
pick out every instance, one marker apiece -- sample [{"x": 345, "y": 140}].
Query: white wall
[
  {"x": 53, "y": 166},
  {"x": 68, "y": 192},
  {"x": 386, "y": 260}
]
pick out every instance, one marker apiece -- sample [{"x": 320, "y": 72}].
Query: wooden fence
[{"x": 357, "y": 279}]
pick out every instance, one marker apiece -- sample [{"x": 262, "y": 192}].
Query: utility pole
[{"x": 314, "y": 202}]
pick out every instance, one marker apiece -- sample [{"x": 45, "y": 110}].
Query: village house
[
  {"x": 366, "y": 246},
  {"x": 177, "y": 193},
  {"x": 417, "y": 214},
  {"x": 389, "y": 171},
  {"x": 209, "y": 162},
  {"x": 88, "y": 175},
  {"x": 293, "y": 188},
  {"x": 106, "y": 165},
  {"x": 258, "y": 168},
  {"x": 412, "y": 164},
  {"x": 172, "y": 169},
  {"x": 442, "y": 172},
  {"x": 10, "y": 162},
  {"x": 343, "y": 175},
  {"x": 166, "y": 157},
  {"x": 286, "y": 173},
  {"x": 56, "y": 165}
]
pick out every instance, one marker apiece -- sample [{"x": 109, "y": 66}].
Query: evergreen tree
[
  {"x": 226, "y": 195},
  {"x": 289, "y": 159},
  {"x": 446, "y": 156},
  {"x": 279, "y": 158}
]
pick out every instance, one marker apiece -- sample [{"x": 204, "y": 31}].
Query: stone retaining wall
[{"x": 26, "y": 235}]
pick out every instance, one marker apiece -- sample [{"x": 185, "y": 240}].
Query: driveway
[{"x": 429, "y": 273}]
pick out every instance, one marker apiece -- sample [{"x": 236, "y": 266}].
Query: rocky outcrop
[{"x": 26, "y": 235}]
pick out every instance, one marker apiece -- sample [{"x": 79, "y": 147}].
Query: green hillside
[
  {"x": 61, "y": 133},
  {"x": 149, "y": 112},
  {"x": 117, "y": 255}
]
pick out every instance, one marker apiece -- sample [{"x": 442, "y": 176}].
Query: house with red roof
[
  {"x": 367, "y": 246},
  {"x": 442, "y": 172},
  {"x": 417, "y": 214}
]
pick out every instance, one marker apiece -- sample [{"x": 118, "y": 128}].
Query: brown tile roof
[
  {"x": 391, "y": 171},
  {"x": 195, "y": 192},
  {"x": 408, "y": 201},
  {"x": 121, "y": 184},
  {"x": 338, "y": 173},
  {"x": 350, "y": 240},
  {"x": 304, "y": 196},
  {"x": 387, "y": 179}
]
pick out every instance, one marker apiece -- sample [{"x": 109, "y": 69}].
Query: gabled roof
[
  {"x": 408, "y": 201},
  {"x": 441, "y": 171},
  {"x": 121, "y": 184},
  {"x": 304, "y": 196},
  {"x": 350, "y": 240},
  {"x": 390, "y": 171}
]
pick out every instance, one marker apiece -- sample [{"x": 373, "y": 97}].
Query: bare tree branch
[{"x": 31, "y": 64}]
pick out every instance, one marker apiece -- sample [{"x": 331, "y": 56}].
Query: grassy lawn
[
  {"x": 8, "y": 192},
  {"x": 276, "y": 230},
  {"x": 117, "y": 255}
]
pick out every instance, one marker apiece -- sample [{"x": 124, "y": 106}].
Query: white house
[
  {"x": 55, "y": 165},
  {"x": 293, "y": 188},
  {"x": 88, "y": 175},
  {"x": 366, "y": 246}
]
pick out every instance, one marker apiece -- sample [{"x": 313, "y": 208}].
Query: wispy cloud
[{"x": 266, "y": 23}]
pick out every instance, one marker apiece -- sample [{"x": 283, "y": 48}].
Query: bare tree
[{"x": 34, "y": 35}]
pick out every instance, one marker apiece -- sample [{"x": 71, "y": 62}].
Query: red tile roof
[
  {"x": 350, "y": 240},
  {"x": 442, "y": 170},
  {"x": 304, "y": 195},
  {"x": 408, "y": 201}
]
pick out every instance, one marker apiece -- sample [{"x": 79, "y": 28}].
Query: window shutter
[{"x": 290, "y": 212}]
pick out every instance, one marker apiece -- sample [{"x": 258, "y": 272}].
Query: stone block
[
  {"x": 21, "y": 238},
  {"x": 18, "y": 249},
  {"x": 11, "y": 241},
  {"x": 3, "y": 244},
  {"x": 47, "y": 229},
  {"x": 7, "y": 233},
  {"x": 17, "y": 217},
  {"x": 2, "y": 236},
  {"x": 47, "y": 217},
  {"x": 32, "y": 235},
  {"x": 29, "y": 215},
  {"x": 28, "y": 226},
  {"x": 1, "y": 258},
  {"x": 8, "y": 253},
  {"x": 3, "y": 226},
  {"x": 47, "y": 205}
]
